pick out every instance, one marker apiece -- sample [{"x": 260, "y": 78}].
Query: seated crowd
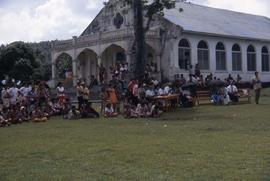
[
  {"x": 139, "y": 99},
  {"x": 25, "y": 102}
]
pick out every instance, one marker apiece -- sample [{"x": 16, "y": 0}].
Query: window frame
[
  {"x": 265, "y": 54},
  {"x": 237, "y": 52},
  {"x": 251, "y": 54},
  {"x": 219, "y": 53},
  {"x": 202, "y": 51},
  {"x": 184, "y": 49}
]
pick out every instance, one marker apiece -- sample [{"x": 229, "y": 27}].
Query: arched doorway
[
  {"x": 87, "y": 65},
  {"x": 113, "y": 56},
  {"x": 63, "y": 65}
]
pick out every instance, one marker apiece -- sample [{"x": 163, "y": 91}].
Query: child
[
  {"x": 23, "y": 114},
  {"x": 154, "y": 111},
  {"x": 109, "y": 111},
  {"x": 73, "y": 114},
  {"x": 38, "y": 116},
  {"x": 3, "y": 121},
  {"x": 88, "y": 112},
  {"x": 14, "y": 115}
]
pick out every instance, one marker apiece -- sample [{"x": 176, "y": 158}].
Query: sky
[{"x": 42, "y": 20}]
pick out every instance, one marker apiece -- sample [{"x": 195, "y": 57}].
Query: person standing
[
  {"x": 257, "y": 86},
  {"x": 232, "y": 92},
  {"x": 61, "y": 94},
  {"x": 80, "y": 93},
  {"x": 86, "y": 94}
]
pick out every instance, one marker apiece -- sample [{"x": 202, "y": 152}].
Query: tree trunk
[{"x": 139, "y": 40}]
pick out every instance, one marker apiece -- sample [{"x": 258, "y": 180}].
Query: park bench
[
  {"x": 244, "y": 95},
  {"x": 204, "y": 97},
  {"x": 166, "y": 101}
]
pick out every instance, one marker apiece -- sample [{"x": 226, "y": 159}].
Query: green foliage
[
  {"x": 25, "y": 61},
  {"x": 22, "y": 70},
  {"x": 17, "y": 59},
  {"x": 157, "y": 6}
]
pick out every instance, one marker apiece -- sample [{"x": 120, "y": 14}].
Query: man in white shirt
[
  {"x": 5, "y": 97},
  {"x": 149, "y": 93},
  {"x": 13, "y": 92},
  {"x": 233, "y": 92},
  {"x": 167, "y": 89},
  {"x": 160, "y": 91}
]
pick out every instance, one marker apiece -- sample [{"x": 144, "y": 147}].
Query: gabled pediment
[{"x": 116, "y": 14}]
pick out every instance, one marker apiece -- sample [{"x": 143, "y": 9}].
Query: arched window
[
  {"x": 220, "y": 56},
  {"x": 236, "y": 58},
  {"x": 265, "y": 60},
  {"x": 184, "y": 54},
  {"x": 203, "y": 55},
  {"x": 251, "y": 58}
]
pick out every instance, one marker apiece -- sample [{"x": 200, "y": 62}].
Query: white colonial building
[{"x": 221, "y": 41}]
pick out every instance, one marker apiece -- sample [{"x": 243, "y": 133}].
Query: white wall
[{"x": 212, "y": 41}]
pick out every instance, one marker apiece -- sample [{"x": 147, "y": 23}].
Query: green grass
[{"x": 202, "y": 143}]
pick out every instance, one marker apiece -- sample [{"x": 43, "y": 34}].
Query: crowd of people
[{"x": 24, "y": 102}]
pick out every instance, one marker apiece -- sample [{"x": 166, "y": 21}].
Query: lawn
[{"x": 202, "y": 143}]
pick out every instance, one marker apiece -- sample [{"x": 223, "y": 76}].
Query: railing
[{"x": 90, "y": 39}]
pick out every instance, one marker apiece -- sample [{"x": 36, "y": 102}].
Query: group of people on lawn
[
  {"x": 25, "y": 102},
  {"x": 138, "y": 98}
]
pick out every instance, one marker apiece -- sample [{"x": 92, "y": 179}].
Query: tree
[
  {"x": 144, "y": 9},
  {"x": 22, "y": 70},
  {"x": 17, "y": 60}
]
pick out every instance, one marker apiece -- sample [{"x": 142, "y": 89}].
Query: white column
[
  {"x": 74, "y": 61},
  {"x": 99, "y": 60},
  {"x": 128, "y": 58},
  {"x": 212, "y": 56},
  {"x": 98, "y": 66},
  {"x": 258, "y": 49},
  {"x": 74, "y": 71},
  {"x": 228, "y": 47},
  {"x": 244, "y": 57},
  {"x": 53, "y": 74},
  {"x": 194, "y": 52}
]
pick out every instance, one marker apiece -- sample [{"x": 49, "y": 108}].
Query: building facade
[{"x": 221, "y": 41}]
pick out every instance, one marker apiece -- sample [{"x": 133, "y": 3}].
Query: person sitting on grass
[
  {"x": 216, "y": 97},
  {"x": 73, "y": 114},
  {"x": 154, "y": 111},
  {"x": 39, "y": 116},
  {"x": 128, "y": 107},
  {"x": 88, "y": 112},
  {"x": 3, "y": 122},
  {"x": 232, "y": 92},
  {"x": 186, "y": 99},
  {"x": 23, "y": 114},
  {"x": 109, "y": 111},
  {"x": 14, "y": 116},
  {"x": 139, "y": 110}
]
